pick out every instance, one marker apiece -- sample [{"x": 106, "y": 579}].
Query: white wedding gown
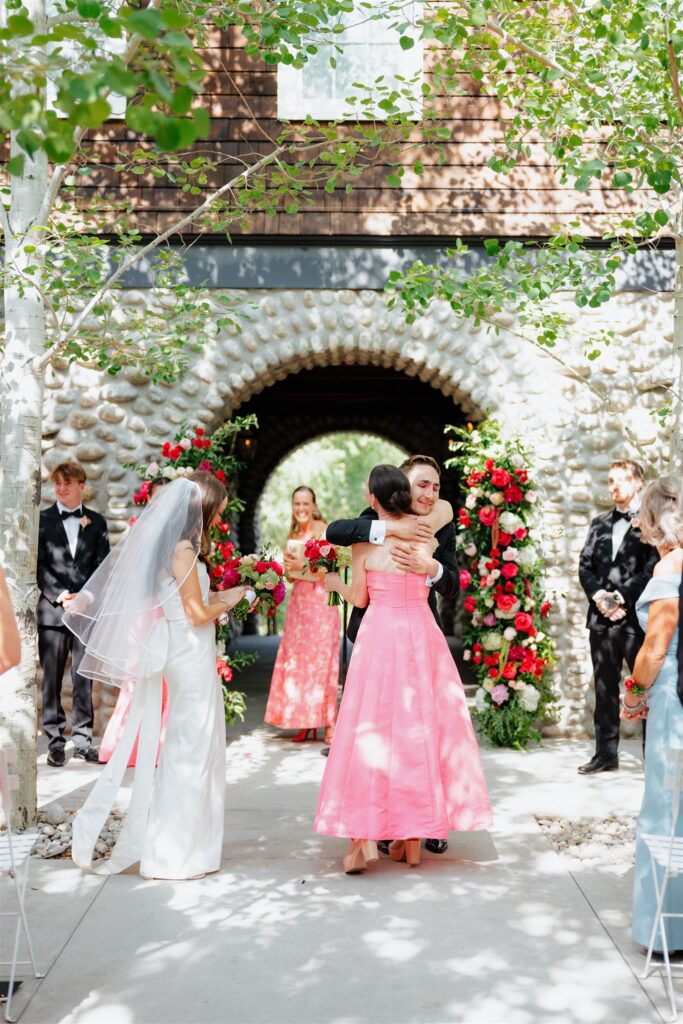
[{"x": 174, "y": 826}]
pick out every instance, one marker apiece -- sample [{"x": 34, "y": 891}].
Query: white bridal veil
[{"x": 117, "y": 610}]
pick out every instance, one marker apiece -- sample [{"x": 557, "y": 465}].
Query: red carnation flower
[
  {"x": 509, "y": 570},
  {"x": 521, "y": 533},
  {"x": 504, "y": 539},
  {"x": 522, "y": 475},
  {"x": 500, "y": 477},
  {"x": 224, "y": 528},
  {"x": 262, "y": 566},
  {"x": 165, "y": 448},
  {"x": 493, "y": 672},
  {"x": 276, "y": 567},
  {"x": 509, "y": 672},
  {"x": 200, "y": 431},
  {"x": 506, "y": 602},
  {"x": 465, "y": 579},
  {"x": 489, "y": 465},
  {"x": 217, "y": 571},
  {"x": 545, "y": 609},
  {"x": 463, "y": 518},
  {"x": 487, "y": 515},
  {"x": 523, "y": 622},
  {"x": 469, "y": 604},
  {"x": 513, "y": 494},
  {"x": 220, "y": 475},
  {"x": 197, "y": 443}
]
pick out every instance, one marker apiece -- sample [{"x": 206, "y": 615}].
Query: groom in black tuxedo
[
  {"x": 72, "y": 543},
  {"x": 614, "y": 568},
  {"x": 441, "y": 568}
]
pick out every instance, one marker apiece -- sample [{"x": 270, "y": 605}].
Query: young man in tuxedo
[
  {"x": 441, "y": 568},
  {"x": 72, "y": 543},
  {"x": 614, "y": 568}
]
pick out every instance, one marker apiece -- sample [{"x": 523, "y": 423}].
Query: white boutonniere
[{"x": 84, "y": 521}]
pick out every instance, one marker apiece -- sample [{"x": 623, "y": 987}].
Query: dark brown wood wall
[{"x": 461, "y": 197}]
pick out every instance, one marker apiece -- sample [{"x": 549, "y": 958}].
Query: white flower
[
  {"x": 509, "y": 522},
  {"x": 476, "y": 621},
  {"x": 495, "y": 574},
  {"x": 153, "y": 469},
  {"x": 491, "y": 641},
  {"x": 475, "y": 436},
  {"x": 467, "y": 655},
  {"x": 476, "y": 491},
  {"x": 488, "y": 684},
  {"x": 500, "y": 614},
  {"x": 510, "y": 555},
  {"x": 171, "y": 472},
  {"x": 510, "y": 634},
  {"x": 517, "y": 460},
  {"x": 529, "y": 698},
  {"x": 539, "y": 635},
  {"x": 527, "y": 556},
  {"x": 531, "y": 496},
  {"x": 480, "y": 701},
  {"x": 185, "y": 443},
  {"x": 496, "y": 498},
  {"x": 481, "y": 567},
  {"x": 470, "y": 501},
  {"x": 488, "y": 601},
  {"x": 471, "y": 550}
]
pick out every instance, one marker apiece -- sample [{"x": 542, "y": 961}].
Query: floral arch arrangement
[{"x": 502, "y": 579}]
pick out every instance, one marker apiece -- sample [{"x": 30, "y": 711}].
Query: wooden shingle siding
[{"x": 456, "y": 195}]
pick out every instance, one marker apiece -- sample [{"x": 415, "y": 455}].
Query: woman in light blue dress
[{"x": 656, "y": 668}]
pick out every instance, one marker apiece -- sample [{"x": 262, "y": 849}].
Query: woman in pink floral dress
[{"x": 303, "y": 690}]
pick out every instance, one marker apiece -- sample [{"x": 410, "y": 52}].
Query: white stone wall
[{"x": 105, "y": 422}]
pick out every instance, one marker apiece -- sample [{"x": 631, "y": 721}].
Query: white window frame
[{"x": 292, "y": 105}]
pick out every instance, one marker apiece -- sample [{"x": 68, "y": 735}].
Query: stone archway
[{"x": 107, "y": 423}]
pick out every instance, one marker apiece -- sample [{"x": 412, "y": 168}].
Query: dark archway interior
[{"x": 325, "y": 400}]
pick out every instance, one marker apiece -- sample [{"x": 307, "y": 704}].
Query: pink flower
[
  {"x": 185, "y": 443},
  {"x": 270, "y": 585},
  {"x": 500, "y": 693},
  {"x": 279, "y": 592},
  {"x": 490, "y": 619},
  {"x": 465, "y": 579},
  {"x": 205, "y": 465},
  {"x": 231, "y": 578}
]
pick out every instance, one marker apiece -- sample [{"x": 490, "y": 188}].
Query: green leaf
[
  {"x": 393, "y": 180},
  {"x": 662, "y": 218},
  {"x": 146, "y": 23},
  {"x": 622, "y": 178},
  {"x": 19, "y": 25},
  {"x": 89, "y": 8},
  {"x": 478, "y": 17},
  {"x": 406, "y": 43},
  {"x": 492, "y": 246},
  {"x": 16, "y": 164},
  {"x": 181, "y": 100},
  {"x": 202, "y": 123}
]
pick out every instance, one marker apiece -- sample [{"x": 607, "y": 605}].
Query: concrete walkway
[{"x": 498, "y": 929}]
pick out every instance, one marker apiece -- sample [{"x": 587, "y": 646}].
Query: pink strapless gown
[
  {"x": 404, "y": 762},
  {"x": 114, "y": 730},
  {"x": 303, "y": 689}
]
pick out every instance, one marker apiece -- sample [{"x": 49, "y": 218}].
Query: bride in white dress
[{"x": 147, "y": 613}]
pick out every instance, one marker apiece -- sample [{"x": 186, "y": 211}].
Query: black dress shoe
[
  {"x": 383, "y": 846},
  {"x": 325, "y": 752},
  {"x": 87, "y": 754},
  {"x": 436, "y": 845},
  {"x": 56, "y": 757},
  {"x": 598, "y": 764}
]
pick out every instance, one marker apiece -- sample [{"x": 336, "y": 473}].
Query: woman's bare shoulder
[{"x": 670, "y": 563}]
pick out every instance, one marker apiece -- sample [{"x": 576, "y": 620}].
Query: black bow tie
[
  {"x": 618, "y": 514},
  {"x": 74, "y": 512}
]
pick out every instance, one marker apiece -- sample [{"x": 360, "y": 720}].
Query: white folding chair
[
  {"x": 15, "y": 851},
  {"x": 666, "y": 860}
]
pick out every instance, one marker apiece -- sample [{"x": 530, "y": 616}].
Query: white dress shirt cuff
[
  {"x": 378, "y": 532},
  {"x": 431, "y": 580},
  {"x": 62, "y": 596}
]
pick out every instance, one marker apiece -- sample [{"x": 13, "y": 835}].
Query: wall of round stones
[{"x": 105, "y": 422}]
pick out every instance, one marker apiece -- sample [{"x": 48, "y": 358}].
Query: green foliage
[{"x": 501, "y": 576}]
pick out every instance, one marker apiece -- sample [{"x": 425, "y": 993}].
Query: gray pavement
[{"x": 500, "y": 928}]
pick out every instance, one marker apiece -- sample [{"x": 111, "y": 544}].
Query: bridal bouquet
[
  {"x": 320, "y": 555},
  {"x": 263, "y": 576}
]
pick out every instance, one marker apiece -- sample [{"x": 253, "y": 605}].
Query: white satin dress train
[{"x": 174, "y": 825}]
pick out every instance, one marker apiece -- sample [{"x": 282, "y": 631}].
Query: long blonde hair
[
  {"x": 661, "y": 515},
  {"x": 316, "y": 515}
]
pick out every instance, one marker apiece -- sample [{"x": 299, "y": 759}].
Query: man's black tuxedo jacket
[
  {"x": 57, "y": 569},
  {"x": 357, "y": 531},
  {"x": 628, "y": 573}
]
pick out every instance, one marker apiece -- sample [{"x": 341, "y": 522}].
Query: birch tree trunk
[
  {"x": 676, "y": 456},
  {"x": 20, "y": 463}
]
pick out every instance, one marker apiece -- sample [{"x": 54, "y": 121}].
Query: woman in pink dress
[
  {"x": 405, "y": 761},
  {"x": 303, "y": 690},
  {"x": 115, "y": 725}
]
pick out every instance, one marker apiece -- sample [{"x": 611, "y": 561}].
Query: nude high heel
[
  {"x": 407, "y": 850},
  {"x": 360, "y": 853}
]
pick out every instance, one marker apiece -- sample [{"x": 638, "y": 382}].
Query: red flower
[
  {"x": 276, "y": 567},
  {"x": 513, "y": 494},
  {"x": 489, "y": 464},
  {"x": 200, "y": 431},
  {"x": 474, "y": 478},
  {"x": 197, "y": 443},
  {"x": 206, "y": 443},
  {"x": 487, "y": 515},
  {"x": 465, "y": 579},
  {"x": 165, "y": 448},
  {"x": 175, "y": 452},
  {"x": 506, "y": 602},
  {"x": 545, "y": 609},
  {"x": 521, "y": 533},
  {"x": 262, "y": 566},
  {"x": 522, "y": 475},
  {"x": 469, "y": 604},
  {"x": 476, "y": 658},
  {"x": 523, "y": 622},
  {"x": 224, "y": 528},
  {"x": 504, "y": 539},
  {"x": 217, "y": 571},
  {"x": 500, "y": 477},
  {"x": 220, "y": 475},
  {"x": 463, "y": 518},
  {"x": 509, "y": 587},
  {"x": 509, "y": 570},
  {"x": 509, "y": 672},
  {"x": 493, "y": 672}
]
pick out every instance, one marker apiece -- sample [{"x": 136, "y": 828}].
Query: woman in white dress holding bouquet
[{"x": 146, "y": 613}]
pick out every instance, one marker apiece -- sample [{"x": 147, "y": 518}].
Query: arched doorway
[{"x": 330, "y": 399}]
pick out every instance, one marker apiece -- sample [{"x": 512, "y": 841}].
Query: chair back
[{"x": 673, "y": 780}]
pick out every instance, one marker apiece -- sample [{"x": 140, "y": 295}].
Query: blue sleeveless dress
[{"x": 664, "y": 729}]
